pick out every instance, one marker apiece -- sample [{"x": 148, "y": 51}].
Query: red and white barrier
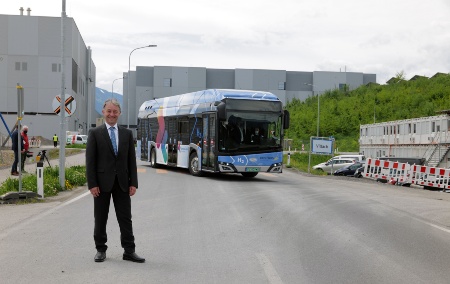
[
  {"x": 431, "y": 177},
  {"x": 390, "y": 171},
  {"x": 403, "y": 173}
]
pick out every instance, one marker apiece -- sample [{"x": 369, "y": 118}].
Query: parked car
[
  {"x": 356, "y": 158},
  {"x": 333, "y": 165},
  {"x": 80, "y": 139},
  {"x": 348, "y": 170}
]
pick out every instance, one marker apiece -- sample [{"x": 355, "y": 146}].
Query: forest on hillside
[{"x": 342, "y": 111}]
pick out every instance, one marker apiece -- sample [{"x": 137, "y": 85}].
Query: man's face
[{"x": 111, "y": 113}]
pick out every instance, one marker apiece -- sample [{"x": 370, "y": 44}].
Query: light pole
[
  {"x": 112, "y": 88},
  {"x": 128, "y": 81},
  {"x": 318, "y": 106}
]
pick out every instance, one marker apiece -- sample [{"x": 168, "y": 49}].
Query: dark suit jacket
[
  {"x": 14, "y": 145},
  {"x": 102, "y": 165}
]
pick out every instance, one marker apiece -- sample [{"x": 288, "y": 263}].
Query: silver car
[{"x": 333, "y": 165}]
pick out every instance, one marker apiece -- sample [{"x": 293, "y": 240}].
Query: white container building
[{"x": 424, "y": 137}]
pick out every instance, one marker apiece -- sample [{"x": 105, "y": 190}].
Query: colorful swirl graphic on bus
[{"x": 161, "y": 136}]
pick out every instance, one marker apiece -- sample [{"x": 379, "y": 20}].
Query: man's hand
[
  {"x": 95, "y": 191},
  {"x": 132, "y": 190}
]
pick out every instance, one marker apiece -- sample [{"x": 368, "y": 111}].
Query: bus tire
[
  {"x": 153, "y": 163},
  {"x": 193, "y": 165},
  {"x": 249, "y": 175}
]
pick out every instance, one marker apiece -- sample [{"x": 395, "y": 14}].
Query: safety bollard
[
  {"x": 40, "y": 178},
  {"x": 289, "y": 159}
]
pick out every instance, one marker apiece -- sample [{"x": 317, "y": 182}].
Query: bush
[
  {"x": 300, "y": 161},
  {"x": 74, "y": 176}
]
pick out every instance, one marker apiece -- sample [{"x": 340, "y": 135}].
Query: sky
[{"x": 382, "y": 37}]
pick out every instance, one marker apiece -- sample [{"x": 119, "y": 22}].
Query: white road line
[
  {"x": 269, "y": 270},
  {"x": 439, "y": 227}
]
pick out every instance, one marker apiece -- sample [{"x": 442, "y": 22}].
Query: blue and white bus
[{"x": 199, "y": 131}]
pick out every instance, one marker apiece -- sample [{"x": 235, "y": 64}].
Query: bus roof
[{"x": 195, "y": 99}]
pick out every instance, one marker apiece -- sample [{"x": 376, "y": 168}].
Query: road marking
[
  {"x": 161, "y": 171},
  {"x": 269, "y": 270},
  {"x": 141, "y": 170},
  {"x": 439, "y": 227}
]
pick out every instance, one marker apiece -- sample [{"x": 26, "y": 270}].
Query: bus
[{"x": 199, "y": 131}]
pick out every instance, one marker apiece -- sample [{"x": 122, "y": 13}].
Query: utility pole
[
  {"x": 20, "y": 111},
  {"x": 62, "y": 133}
]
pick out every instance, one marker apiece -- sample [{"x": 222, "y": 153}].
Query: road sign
[
  {"x": 70, "y": 105},
  {"x": 322, "y": 146}
]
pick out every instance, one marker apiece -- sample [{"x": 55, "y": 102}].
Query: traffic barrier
[
  {"x": 36, "y": 143},
  {"x": 388, "y": 171},
  {"x": 431, "y": 177},
  {"x": 404, "y": 174}
]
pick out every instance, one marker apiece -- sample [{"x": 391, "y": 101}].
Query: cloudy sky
[{"x": 383, "y": 37}]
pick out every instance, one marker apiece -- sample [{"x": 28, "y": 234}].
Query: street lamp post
[
  {"x": 318, "y": 106},
  {"x": 112, "y": 88},
  {"x": 128, "y": 81}
]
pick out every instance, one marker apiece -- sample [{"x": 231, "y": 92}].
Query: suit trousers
[
  {"x": 122, "y": 206},
  {"x": 16, "y": 161}
]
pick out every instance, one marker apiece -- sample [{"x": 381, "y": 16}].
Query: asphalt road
[{"x": 287, "y": 228}]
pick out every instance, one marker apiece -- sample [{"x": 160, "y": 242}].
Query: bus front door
[
  {"x": 208, "y": 141},
  {"x": 172, "y": 141}
]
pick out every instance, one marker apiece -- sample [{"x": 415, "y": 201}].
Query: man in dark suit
[{"x": 111, "y": 171}]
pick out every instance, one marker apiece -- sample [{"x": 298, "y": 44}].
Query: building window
[
  {"x": 414, "y": 127},
  {"x": 21, "y": 66},
  {"x": 74, "y": 76},
  {"x": 342, "y": 87},
  {"x": 281, "y": 85},
  {"x": 56, "y": 67},
  {"x": 167, "y": 82}
]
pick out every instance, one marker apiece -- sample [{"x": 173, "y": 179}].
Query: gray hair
[
  {"x": 24, "y": 127},
  {"x": 114, "y": 102}
]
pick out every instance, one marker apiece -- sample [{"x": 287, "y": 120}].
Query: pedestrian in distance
[
  {"x": 55, "y": 140},
  {"x": 15, "y": 148},
  {"x": 26, "y": 146},
  {"x": 111, "y": 171}
]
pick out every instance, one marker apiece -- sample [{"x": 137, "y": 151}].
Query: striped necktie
[{"x": 113, "y": 139}]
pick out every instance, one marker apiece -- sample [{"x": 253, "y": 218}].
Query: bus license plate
[{"x": 252, "y": 169}]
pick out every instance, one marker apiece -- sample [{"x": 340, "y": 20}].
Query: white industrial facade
[
  {"x": 149, "y": 82},
  {"x": 30, "y": 55}
]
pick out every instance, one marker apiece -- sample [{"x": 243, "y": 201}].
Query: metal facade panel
[
  {"x": 219, "y": 79},
  {"x": 23, "y": 35}
]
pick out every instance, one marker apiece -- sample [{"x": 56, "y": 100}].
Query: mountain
[{"x": 101, "y": 95}]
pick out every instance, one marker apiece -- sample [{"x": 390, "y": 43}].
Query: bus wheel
[
  {"x": 193, "y": 165},
  {"x": 153, "y": 163},
  {"x": 249, "y": 175}
]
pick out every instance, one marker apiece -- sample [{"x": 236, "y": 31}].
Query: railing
[{"x": 434, "y": 144}]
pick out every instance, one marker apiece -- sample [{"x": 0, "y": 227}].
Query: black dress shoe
[
  {"x": 133, "y": 257},
  {"x": 100, "y": 256}
]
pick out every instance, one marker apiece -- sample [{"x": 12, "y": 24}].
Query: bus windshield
[{"x": 250, "y": 131}]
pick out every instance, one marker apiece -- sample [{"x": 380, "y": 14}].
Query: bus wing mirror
[
  {"x": 221, "y": 115},
  {"x": 286, "y": 119}
]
